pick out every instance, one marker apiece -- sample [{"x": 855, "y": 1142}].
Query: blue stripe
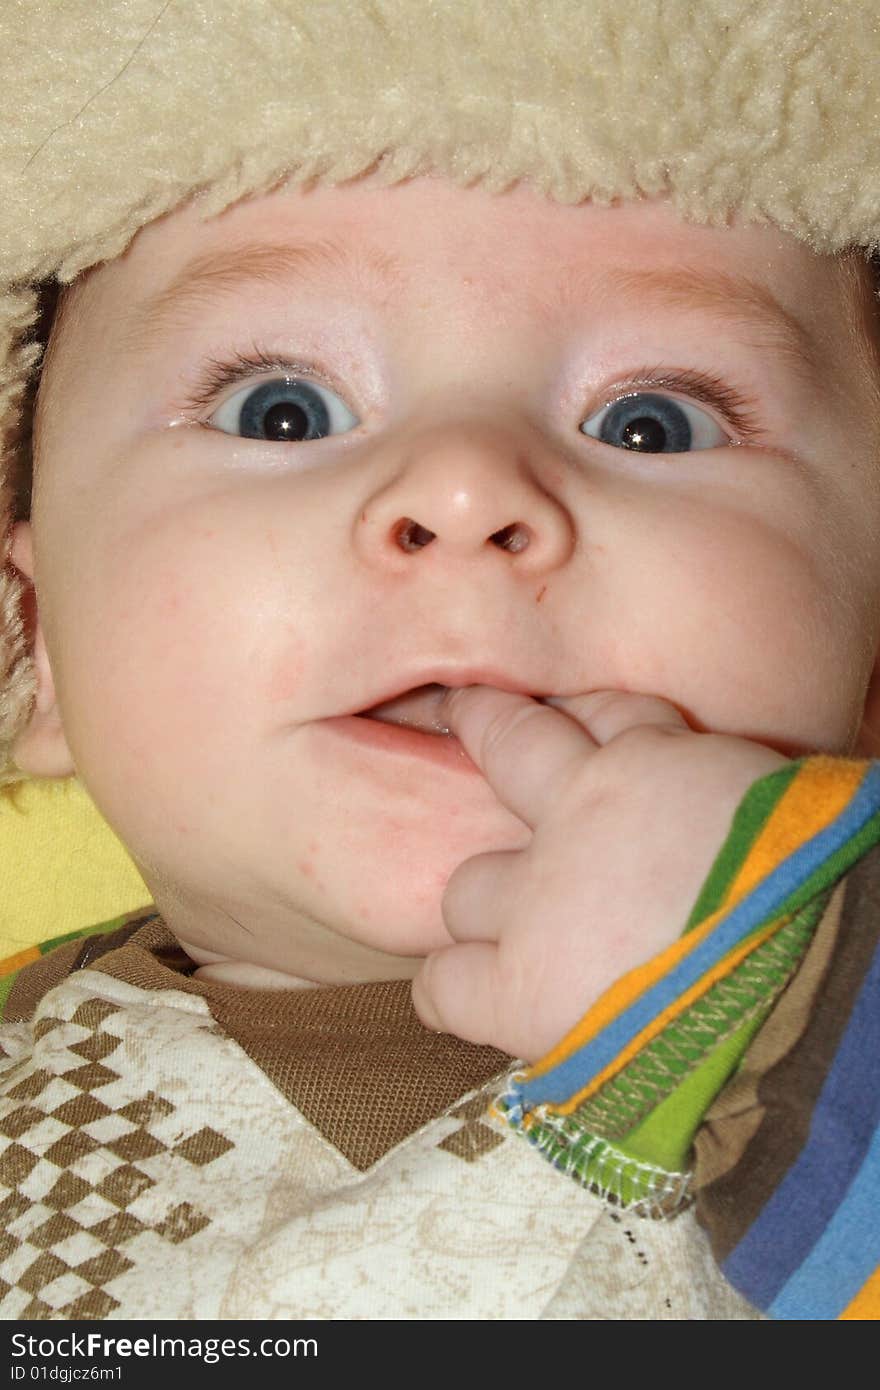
[
  {"x": 843, "y": 1261},
  {"x": 804, "y": 1210},
  {"x": 574, "y": 1072}
]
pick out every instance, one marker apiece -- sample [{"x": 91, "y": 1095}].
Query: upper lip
[{"x": 453, "y": 677}]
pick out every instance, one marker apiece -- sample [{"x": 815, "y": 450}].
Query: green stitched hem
[
  {"x": 688, "y": 1044},
  {"x": 606, "y": 1169},
  {"x": 630, "y": 1143}
]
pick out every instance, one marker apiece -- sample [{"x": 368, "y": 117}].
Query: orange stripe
[
  {"x": 619, "y": 997},
  {"x": 13, "y": 963},
  {"x": 822, "y": 789},
  {"x": 684, "y": 1001},
  {"x": 865, "y": 1307}
]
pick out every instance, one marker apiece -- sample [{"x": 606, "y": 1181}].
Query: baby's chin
[{"x": 373, "y": 919}]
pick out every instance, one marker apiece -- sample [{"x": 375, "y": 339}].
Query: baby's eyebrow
[
  {"x": 742, "y": 303},
  {"x": 232, "y": 269},
  {"x": 735, "y": 299}
]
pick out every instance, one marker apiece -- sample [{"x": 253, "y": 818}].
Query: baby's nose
[{"x": 467, "y": 491}]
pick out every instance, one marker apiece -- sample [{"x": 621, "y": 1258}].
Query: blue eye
[
  {"x": 284, "y": 408},
  {"x": 652, "y": 424}
]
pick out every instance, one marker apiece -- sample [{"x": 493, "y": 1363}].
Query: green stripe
[
  {"x": 751, "y": 816},
  {"x": 44, "y": 947},
  {"x": 101, "y": 929},
  {"x": 6, "y": 984},
  {"x": 666, "y": 1135}
]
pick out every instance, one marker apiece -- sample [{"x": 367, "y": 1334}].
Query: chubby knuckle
[
  {"x": 641, "y": 741},
  {"x": 501, "y": 726},
  {"x": 622, "y": 765}
]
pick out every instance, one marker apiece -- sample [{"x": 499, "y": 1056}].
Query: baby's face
[{"x": 333, "y": 447}]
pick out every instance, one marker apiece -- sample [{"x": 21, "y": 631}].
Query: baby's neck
[
  {"x": 255, "y": 947},
  {"x": 210, "y": 966}
]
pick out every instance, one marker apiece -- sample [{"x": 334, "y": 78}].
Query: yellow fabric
[{"x": 61, "y": 866}]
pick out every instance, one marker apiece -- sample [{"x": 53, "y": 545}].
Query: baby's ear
[
  {"x": 40, "y": 750},
  {"x": 868, "y": 742}
]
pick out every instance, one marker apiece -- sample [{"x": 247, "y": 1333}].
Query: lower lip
[{"x": 443, "y": 750}]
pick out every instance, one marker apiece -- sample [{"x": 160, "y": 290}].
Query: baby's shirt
[{"x": 181, "y": 1149}]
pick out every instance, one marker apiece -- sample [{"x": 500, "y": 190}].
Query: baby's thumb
[{"x": 454, "y": 993}]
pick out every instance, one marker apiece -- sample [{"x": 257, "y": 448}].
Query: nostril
[
  {"x": 410, "y": 536},
  {"x": 513, "y": 538}
]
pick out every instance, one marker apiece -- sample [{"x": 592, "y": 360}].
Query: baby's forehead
[
  {"x": 427, "y": 221},
  {"x": 428, "y": 239}
]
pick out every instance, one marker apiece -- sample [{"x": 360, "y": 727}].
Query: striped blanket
[{"x": 768, "y": 1006}]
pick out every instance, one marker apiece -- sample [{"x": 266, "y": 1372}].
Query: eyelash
[
  {"x": 218, "y": 375},
  {"x": 737, "y": 410}
]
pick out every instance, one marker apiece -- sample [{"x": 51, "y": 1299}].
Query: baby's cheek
[
  {"x": 286, "y": 674},
  {"x": 143, "y": 684},
  {"x": 736, "y": 620}
]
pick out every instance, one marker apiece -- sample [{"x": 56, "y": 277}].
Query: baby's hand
[{"x": 628, "y": 808}]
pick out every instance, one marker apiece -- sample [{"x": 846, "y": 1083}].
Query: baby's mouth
[{"x": 418, "y": 709}]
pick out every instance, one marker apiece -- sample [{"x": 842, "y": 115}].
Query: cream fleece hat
[{"x": 114, "y": 111}]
